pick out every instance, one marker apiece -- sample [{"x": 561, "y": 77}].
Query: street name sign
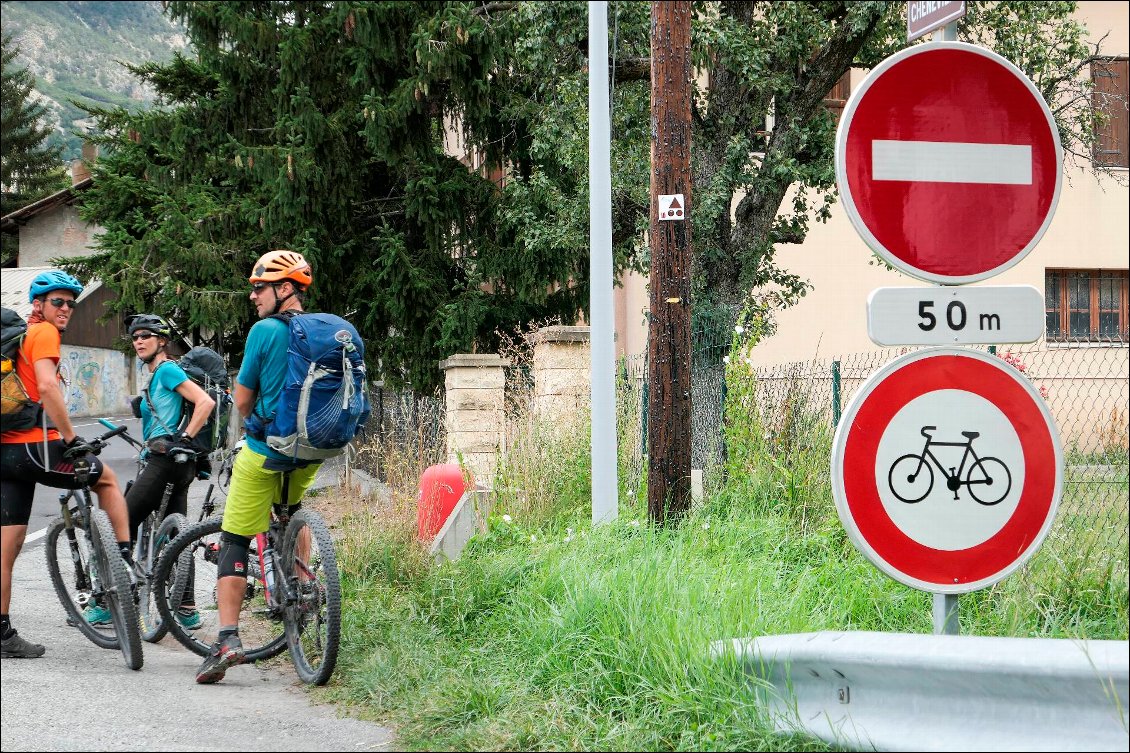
[
  {"x": 947, "y": 470},
  {"x": 955, "y": 315},
  {"x": 948, "y": 162},
  {"x": 924, "y": 16}
]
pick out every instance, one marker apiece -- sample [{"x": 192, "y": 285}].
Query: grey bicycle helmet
[{"x": 151, "y": 322}]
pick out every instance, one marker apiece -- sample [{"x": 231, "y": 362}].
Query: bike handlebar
[
  {"x": 928, "y": 428},
  {"x": 115, "y": 430}
]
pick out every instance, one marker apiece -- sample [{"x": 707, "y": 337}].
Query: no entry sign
[
  {"x": 948, "y": 162},
  {"x": 947, "y": 470}
]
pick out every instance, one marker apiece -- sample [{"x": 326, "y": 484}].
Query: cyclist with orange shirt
[{"x": 22, "y": 450}]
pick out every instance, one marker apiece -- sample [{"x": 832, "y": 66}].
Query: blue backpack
[{"x": 324, "y": 399}]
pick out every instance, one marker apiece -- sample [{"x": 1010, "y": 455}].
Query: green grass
[{"x": 549, "y": 634}]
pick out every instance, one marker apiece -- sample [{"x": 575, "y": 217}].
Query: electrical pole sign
[
  {"x": 947, "y": 470},
  {"x": 948, "y": 162}
]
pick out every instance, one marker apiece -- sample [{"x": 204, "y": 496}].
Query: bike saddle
[{"x": 971, "y": 435}]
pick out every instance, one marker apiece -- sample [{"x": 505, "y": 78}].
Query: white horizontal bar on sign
[{"x": 951, "y": 162}]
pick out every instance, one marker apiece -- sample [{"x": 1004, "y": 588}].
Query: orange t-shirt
[{"x": 41, "y": 341}]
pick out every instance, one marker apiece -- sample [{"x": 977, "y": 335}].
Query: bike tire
[
  {"x": 313, "y": 622},
  {"x": 66, "y": 568},
  {"x": 153, "y": 627},
  {"x": 188, "y": 567},
  {"x": 120, "y": 592},
  {"x": 912, "y": 497},
  {"x": 984, "y": 464}
]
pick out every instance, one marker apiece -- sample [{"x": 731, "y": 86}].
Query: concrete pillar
[
  {"x": 562, "y": 372},
  {"x": 475, "y": 415}
]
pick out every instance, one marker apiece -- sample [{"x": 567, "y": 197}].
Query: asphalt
[{"x": 83, "y": 698}]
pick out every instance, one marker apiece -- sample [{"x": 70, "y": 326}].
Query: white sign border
[
  {"x": 845, "y": 189},
  {"x": 839, "y": 494}
]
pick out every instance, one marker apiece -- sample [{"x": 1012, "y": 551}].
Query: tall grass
[{"x": 549, "y": 634}]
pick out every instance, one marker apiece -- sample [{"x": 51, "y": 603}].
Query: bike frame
[{"x": 927, "y": 453}]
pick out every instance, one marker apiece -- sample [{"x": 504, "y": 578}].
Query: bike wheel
[
  {"x": 989, "y": 481},
  {"x": 313, "y": 621},
  {"x": 187, "y": 574},
  {"x": 69, "y": 565},
  {"x": 153, "y": 628},
  {"x": 118, "y": 590},
  {"x": 908, "y": 482}
]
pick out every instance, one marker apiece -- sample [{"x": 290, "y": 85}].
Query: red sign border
[
  {"x": 845, "y": 189},
  {"x": 857, "y": 499}
]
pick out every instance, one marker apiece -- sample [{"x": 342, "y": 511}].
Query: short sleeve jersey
[
  {"x": 264, "y": 370},
  {"x": 165, "y": 399},
  {"x": 42, "y": 340}
]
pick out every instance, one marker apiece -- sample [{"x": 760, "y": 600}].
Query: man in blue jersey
[{"x": 278, "y": 284}]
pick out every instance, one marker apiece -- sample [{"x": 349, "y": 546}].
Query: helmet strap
[{"x": 280, "y": 301}]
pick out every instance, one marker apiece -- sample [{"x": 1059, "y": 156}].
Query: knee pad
[{"x": 233, "y": 555}]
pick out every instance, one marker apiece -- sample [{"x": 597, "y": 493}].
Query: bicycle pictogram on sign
[{"x": 911, "y": 478}]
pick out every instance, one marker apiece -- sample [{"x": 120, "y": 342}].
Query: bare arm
[
  {"x": 202, "y": 405},
  {"x": 52, "y": 397},
  {"x": 244, "y": 399}
]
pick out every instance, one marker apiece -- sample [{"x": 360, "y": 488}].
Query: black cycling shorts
[{"x": 21, "y": 468}]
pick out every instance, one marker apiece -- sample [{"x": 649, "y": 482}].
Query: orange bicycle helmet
[{"x": 277, "y": 266}]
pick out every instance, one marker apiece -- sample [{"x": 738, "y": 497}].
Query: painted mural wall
[{"x": 97, "y": 381}]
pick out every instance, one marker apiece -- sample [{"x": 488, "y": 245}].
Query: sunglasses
[
  {"x": 61, "y": 302},
  {"x": 257, "y": 287},
  {"x": 141, "y": 336}
]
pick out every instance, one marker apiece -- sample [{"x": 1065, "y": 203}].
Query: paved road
[{"x": 80, "y": 697}]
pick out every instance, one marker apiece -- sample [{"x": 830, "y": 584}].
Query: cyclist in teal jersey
[
  {"x": 162, "y": 409},
  {"x": 278, "y": 284}
]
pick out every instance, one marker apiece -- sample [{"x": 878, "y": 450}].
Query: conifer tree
[
  {"x": 30, "y": 168},
  {"x": 320, "y": 127}
]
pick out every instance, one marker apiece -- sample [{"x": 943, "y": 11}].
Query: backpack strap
[
  {"x": 149, "y": 401},
  {"x": 284, "y": 317}
]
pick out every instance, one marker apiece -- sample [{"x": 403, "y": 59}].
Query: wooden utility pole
[{"x": 669, "y": 336}]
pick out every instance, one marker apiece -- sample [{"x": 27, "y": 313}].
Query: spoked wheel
[
  {"x": 118, "y": 591},
  {"x": 186, "y": 578},
  {"x": 910, "y": 479},
  {"x": 313, "y": 622},
  {"x": 69, "y": 561},
  {"x": 153, "y": 628}
]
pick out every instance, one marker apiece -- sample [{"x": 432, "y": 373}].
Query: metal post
[
  {"x": 949, "y": 32},
  {"x": 837, "y": 410},
  {"x": 602, "y": 320},
  {"x": 945, "y": 615}
]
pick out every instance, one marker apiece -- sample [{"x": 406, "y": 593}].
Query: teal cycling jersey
[
  {"x": 164, "y": 399},
  {"x": 264, "y": 370}
]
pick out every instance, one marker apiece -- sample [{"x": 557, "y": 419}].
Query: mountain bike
[
  {"x": 153, "y": 534},
  {"x": 292, "y": 598},
  {"x": 911, "y": 478},
  {"x": 86, "y": 566}
]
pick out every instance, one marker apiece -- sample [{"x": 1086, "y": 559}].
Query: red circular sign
[
  {"x": 948, "y": 162},
  {"x": 947, "y": 470}
]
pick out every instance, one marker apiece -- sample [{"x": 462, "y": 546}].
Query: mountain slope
[{"x": 75, "y": 49}]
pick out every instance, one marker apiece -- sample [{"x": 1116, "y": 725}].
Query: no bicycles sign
[{"x": 947, "y": 470}]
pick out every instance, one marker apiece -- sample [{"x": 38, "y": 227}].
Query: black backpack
[
  {"x": 16, "y": 406},
  {"x": 206, "y": 368}
]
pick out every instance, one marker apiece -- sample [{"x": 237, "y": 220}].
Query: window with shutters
[
  {"x": 1086, "y": 304},
  {"x": 1110, "y": 96},
  {"x": 835, "y": 99}
]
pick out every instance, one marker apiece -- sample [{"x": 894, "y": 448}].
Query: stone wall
[
  {"x": 475, "y": 416},
  {"x": 562, "y": 371}
]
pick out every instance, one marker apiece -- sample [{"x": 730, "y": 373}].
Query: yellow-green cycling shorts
[{"x": 254, "y": 489}]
